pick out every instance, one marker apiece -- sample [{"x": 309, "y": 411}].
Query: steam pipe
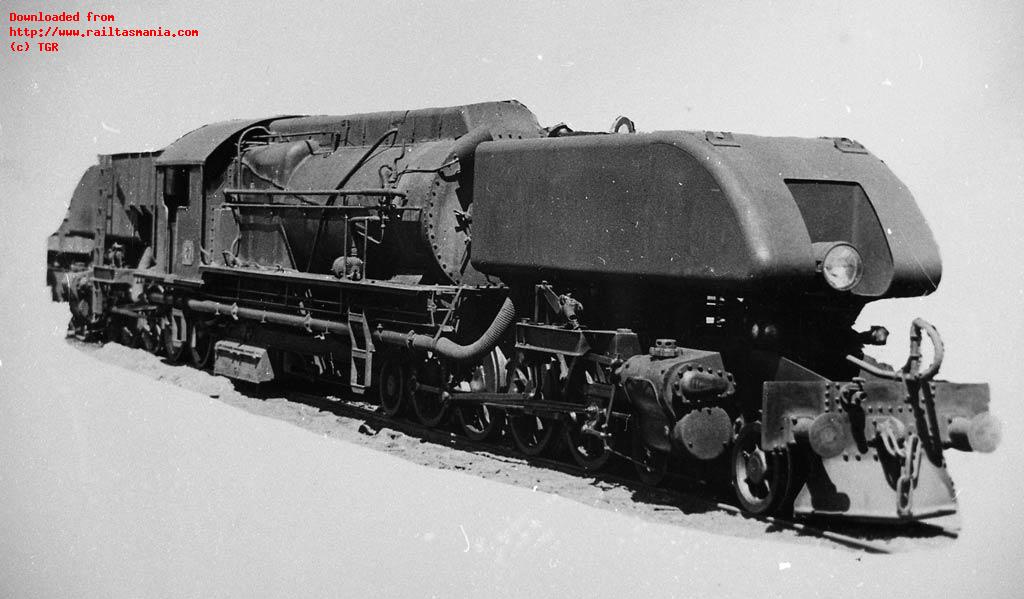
[
  {"x": 234, "y": 311},
  {"x": 465, "y": 146},
  {"x": 446, "y": 347}
]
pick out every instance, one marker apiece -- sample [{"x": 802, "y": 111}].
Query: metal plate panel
[
  {"x": 195, "y": 146},
  {"x": 674, "y": 206},
  {"x": 244, "y": 362},
  {"x": 860, "y": 489},
  {"x": 642, "y": 206}
]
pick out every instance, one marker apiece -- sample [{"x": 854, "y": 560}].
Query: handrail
[
  {"x": 317, "y": 207},
  {"x": 340, "y": 186},
  {"x": 238, "y": 150},
  {"x": 390, "y": 193},
  {"x": 912, "y": 369}
]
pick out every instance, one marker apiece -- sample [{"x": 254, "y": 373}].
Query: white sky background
[{"x": 936, "y": 89}]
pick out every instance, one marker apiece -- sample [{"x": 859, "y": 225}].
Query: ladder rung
[{"x": 361, "y": 350}]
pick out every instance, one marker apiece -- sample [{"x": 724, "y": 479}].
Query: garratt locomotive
[{"x": 687, "y": 295}]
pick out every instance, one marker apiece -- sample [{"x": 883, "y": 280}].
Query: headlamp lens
[{"x": 842, "y": 267}]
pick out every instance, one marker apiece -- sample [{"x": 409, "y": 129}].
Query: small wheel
[
  {"x": 531, "y": 434},
  {"x": 391, "y": 389},
  {"x": 761, "y": 480},
  {"x": 430, "y": 405},
  {"x": 651, "y": 465},
  {"x": 200, "y": 341},
  {"x": 173, "y": 349},
  {"x": 589, "y": 451}
]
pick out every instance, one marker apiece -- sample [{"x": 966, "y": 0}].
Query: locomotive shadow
[
  {"x": 683, "y": 496},
  {"x": 679, "y": 498},
  {"x": 683, "y": 502}
]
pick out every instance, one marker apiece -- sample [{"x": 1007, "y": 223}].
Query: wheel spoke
[
  {"x": 200, "y": 341},
  {"x": 589, "y": 451},
  {"x": 172, "y": 348},
  {"x": 531, "y": 434},
  {"x": 429, "y": 404},
  {"x": 149, "y": 338},
  {"x": 391, "y": 388},
  {"x": 478, "y": 421}
]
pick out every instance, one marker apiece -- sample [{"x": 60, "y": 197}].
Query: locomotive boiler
[{"x": 681, "y": 300}]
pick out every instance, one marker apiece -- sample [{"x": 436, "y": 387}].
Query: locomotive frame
[{"x": 468, "y": 262}]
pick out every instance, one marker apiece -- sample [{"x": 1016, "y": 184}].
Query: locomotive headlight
[{"x": 840, "y": 264}]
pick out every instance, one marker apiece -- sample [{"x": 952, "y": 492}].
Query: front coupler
[{"x": 874, "y": 446}]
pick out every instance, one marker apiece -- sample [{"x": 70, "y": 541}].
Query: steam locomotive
[{"x": 683, "y": 299}]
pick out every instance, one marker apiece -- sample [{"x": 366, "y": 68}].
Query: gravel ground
[
  {"x": 114, "y": 484},
  {"x": 276, "y": 402},
  {"x": 691, "y": 512}
]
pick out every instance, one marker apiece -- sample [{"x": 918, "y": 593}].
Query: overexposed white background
[{"x": 933, "y": 88}]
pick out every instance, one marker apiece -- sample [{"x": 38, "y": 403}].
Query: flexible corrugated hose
[{"x": 448, "y": 348}]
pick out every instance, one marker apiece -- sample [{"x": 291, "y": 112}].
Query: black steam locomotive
[{"x": 684, "y": 298}]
